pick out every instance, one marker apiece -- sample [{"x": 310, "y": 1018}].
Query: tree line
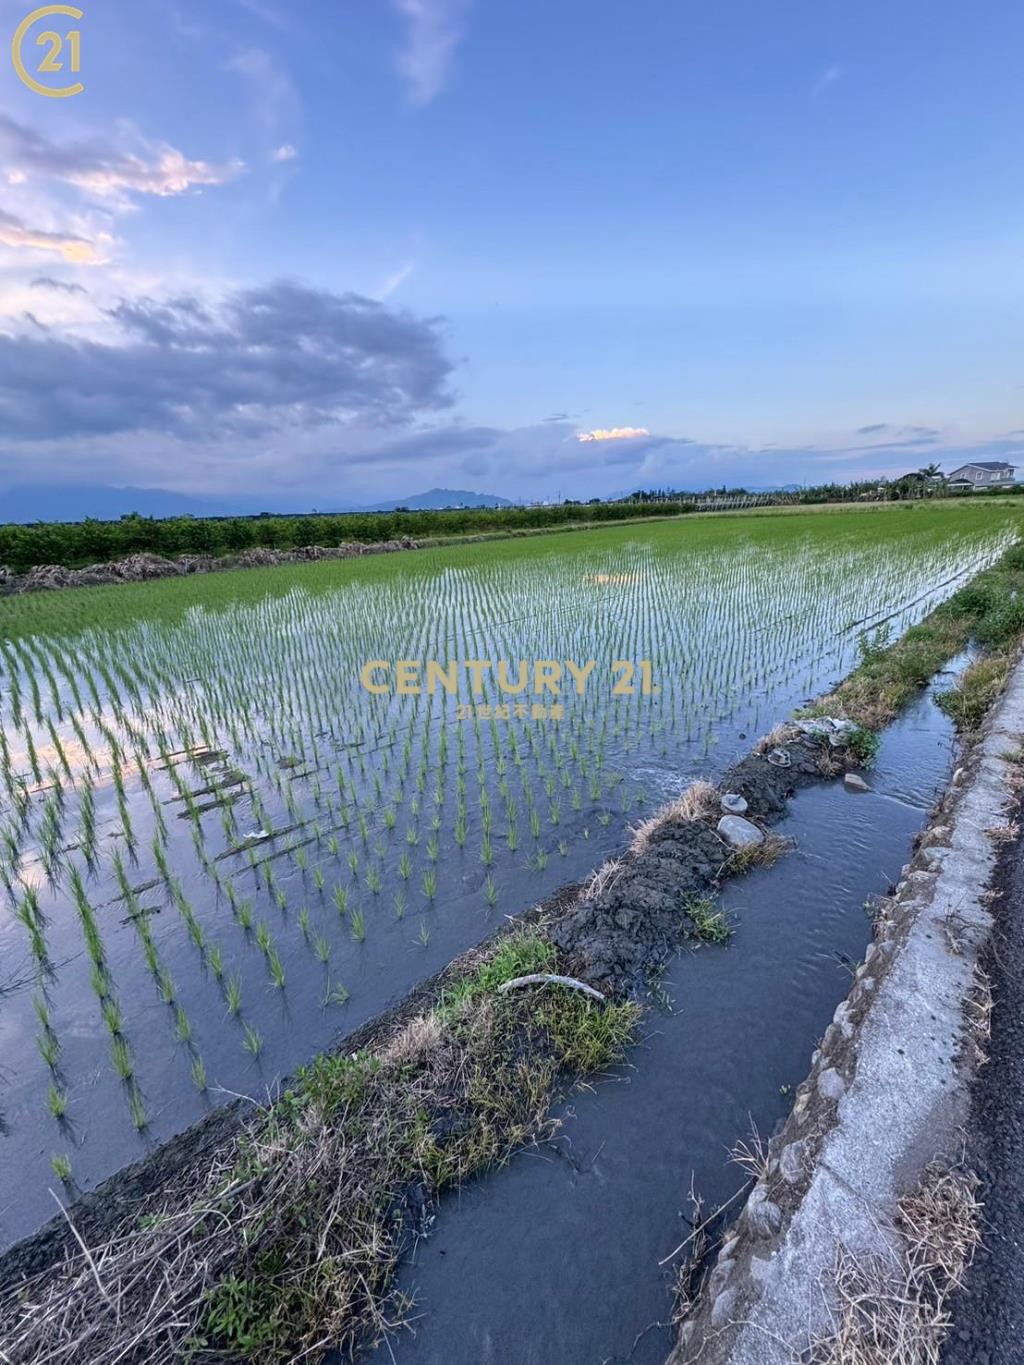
[{"x": 73, "y": 544}]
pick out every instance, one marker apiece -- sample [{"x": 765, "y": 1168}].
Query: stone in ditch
[
  {"x": 739, "y": 833},
  {"x": 778, "y": 758},
  {"x": 853, "y": 782},
  {"x": 734, "y": 804}
]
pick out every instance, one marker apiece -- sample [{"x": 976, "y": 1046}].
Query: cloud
[
  {"x": 434, "y": 29},
  {"x": 275, "y": 100},
  {"x": 61, "y": 286},
  {"x": 286, "y": 152},
  {"x": 396, "y": 280},
  {"x": 102, "y": 169},
  {"x": 612, "y": 434},
  {"x": 824, "y": 79},
  {"x": 280, "y": 358},
  {"x": 16, "y": 233}
]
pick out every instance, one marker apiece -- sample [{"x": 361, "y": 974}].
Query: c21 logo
[{"x": 62, "y": 51}]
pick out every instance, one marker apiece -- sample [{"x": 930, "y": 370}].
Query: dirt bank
[{"x": 143, "y": 567}]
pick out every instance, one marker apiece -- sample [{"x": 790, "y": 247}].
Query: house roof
[{"x": 985, "y": 464}]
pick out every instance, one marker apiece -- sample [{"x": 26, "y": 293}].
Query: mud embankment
[{"x": 142, "y": 568}]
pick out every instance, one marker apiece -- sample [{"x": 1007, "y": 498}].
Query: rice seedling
[
  {"x": 121, "y": 1057},
  {"x": 56, "y": 1101},
  {"x": 253, "y": 1041},
  {"x": 137, "y": 1108},
  {"x": 233, "y": 993},
  {"x": 199, "y": 1074},
  {"x": 61, "y": 1167}
]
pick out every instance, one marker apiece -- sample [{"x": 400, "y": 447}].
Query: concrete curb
[{"x": 887, "y": 1092}]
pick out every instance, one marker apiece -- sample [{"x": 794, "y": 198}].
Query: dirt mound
[{"x": 140, "y": 568}]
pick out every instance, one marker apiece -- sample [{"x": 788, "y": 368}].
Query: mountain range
[{"x": 74, "y": 502}]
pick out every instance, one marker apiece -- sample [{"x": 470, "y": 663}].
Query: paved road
[{"x": 988, "y": 1325}]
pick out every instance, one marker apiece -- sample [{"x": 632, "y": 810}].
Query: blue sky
[{"x": 339, "y": 251}]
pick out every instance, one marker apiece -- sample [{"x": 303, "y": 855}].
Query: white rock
[
  {"x": 734, "y": 804},
  {"x": 739, "y": 833},
  {"x": 853, "y": 782}
]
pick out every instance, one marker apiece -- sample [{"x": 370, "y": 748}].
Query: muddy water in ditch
[{"x": 557, "y": 1258}]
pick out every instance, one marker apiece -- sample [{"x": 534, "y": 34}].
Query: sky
[{"x": 333, "y": 251}]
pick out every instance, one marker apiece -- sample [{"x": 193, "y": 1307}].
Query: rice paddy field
[{"x": 220, "y": 850}]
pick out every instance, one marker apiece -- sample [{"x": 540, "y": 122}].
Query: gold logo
[{"x": 62, "y": 52}]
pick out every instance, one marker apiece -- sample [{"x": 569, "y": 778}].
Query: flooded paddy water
[
  {"x": 219, "y": 850},
  {"x": 566, "y": 1254}
]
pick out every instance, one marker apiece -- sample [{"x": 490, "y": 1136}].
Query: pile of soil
[{"x": 142, "y": 567}]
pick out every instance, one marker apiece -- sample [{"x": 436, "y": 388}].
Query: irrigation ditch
[{"x": 274, "y": 1233}]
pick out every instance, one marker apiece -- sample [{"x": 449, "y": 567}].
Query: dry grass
[
  {"x": 776, "y": 738},
  {"x": 751, "y": 1155},
  {"x": 897, "y": 1312},
  {"x": 601, "y": 880},
  {"x": 700, "y": 801},
  {"x": 978, "y": 1016},
  {"x": 285, "y": 1243},
  {"x": 765, "y": 854}
]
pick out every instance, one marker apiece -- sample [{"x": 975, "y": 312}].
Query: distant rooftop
[{"x": 986, "y": 464}]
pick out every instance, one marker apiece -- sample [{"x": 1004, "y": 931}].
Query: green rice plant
[
  {"x": 341, "y": 900},
  {"x": 322, "y": 948},
  {"x": 373, "y": 881},
  {"x": 357, "y": 925},
  {"x": 121, "y": 1057},
  {"x": 490, "y": 890},
  {"x": 56, "y": 1101},
  {"x": 400, "y": 904},
  {"x": 276, "y": 969},
  {"x": 112, "y": 1017},
  {"x": 424, "y": 936},
  {"x": 61, "y": 1167},
  {"x": 137, "y": 1108},
  {"x": 233, "y": 993},
  {"x": 405, "y": 867},
  {"x": 182, "y": 1027},
  {"x": 199, "y": 1075},
  {"x": 304, "y": 922},
  {"x": 49, "y": 1047},
  {"x": 334, "y": 995},
  {"x": 264, "y": 939},
  {"x": 318, "y": 878},
  {"x": 253, "y": 1041},
  {"x": 429, "y": 883}
]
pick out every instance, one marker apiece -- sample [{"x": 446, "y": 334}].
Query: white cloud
[
  {"x": 396, "y": 280},
  {"x": 612, "y": 434},
  {"x": 286, "y": 152},
  {"x": 434, "y": 29},
  {"x": 18, "y": 234},
  {"x": 825, "y": 78},
  {"x": 103, "y": 169}
]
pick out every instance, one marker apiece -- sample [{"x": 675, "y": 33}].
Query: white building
[{"x": 982, "y": 474}]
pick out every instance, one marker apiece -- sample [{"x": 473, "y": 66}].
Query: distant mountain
[
  {"x": 438, "y": 498},
  {"x": 74, "y": 502}
]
